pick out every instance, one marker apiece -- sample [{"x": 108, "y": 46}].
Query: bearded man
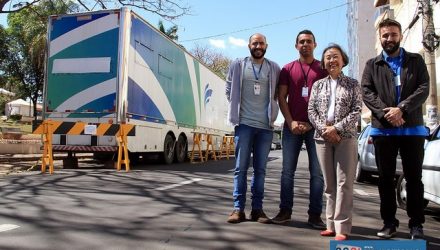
[
  {"x": 395, "y": 85},
  {"x": 251, "y": 91}
]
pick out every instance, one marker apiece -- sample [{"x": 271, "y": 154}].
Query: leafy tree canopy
[{"x": 215, "y": 60}]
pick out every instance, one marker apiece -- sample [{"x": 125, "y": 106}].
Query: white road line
[
  {"x": 178, "y": 184},
  {"x": 7, "y": 227},
  {"x": 361, "y": 192}
]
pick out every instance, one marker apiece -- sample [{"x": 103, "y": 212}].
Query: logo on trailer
[{"x": 207, "y": 94}]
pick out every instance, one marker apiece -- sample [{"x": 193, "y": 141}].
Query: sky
[{"x": 225, "y": 26}]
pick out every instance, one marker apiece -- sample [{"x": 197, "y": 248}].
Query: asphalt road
[{"x": 157, "y": 206}]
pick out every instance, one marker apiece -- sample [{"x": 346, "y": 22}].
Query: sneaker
[
  {"x": 416, "y": 232},
  {"x": 388, "y": 231},
  {"x": 236, "y": 216},
  {"x": 316, "y": 222},
  {"x": 282, "y": 217},
  {"x": 259, "y": 216}
]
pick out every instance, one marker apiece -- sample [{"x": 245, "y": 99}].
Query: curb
[{"x": 22, "y": 158}]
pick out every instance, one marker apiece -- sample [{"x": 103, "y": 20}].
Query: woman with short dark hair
[{"x": 334, "y": 109}]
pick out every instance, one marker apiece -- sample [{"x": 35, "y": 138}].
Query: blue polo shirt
[{"x": 395, "y": 64}]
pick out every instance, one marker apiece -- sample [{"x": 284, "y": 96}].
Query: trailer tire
[
  {"x": 181, "y": 149},
  {"x": 168, "y": 149}
]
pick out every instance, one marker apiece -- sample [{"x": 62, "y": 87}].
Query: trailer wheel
[
  {"x": 168, "y": 149},
  {"x": 181, "y": 152}
]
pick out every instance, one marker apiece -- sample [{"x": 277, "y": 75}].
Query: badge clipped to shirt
[
  {"x": 257, "y": 89},
  {"x": 305, "y": 92},
  {"x": 397, "y": 80}
]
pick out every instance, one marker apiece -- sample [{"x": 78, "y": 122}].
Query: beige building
[
  {"x": 406, "y": 11},
  {"x": 361, "y": 34}
]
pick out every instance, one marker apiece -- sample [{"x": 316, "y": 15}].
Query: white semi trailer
[{"x": 112, "y": 66}]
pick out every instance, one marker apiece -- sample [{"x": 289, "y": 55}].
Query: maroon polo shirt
[{"x": 294, "y": 75}]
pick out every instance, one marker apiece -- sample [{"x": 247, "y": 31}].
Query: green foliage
[
  {"x": 3, "y": 100},
  {"x": 170, "y": 32},
  {"x": 23, "y": 63}
]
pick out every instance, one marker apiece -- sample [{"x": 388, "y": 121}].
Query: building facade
[
  {"x": 361, "y": 35},
  {"x": 408, "y": 13}
]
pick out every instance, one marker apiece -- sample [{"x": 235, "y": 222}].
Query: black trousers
[{"x": 412, "y": 152}]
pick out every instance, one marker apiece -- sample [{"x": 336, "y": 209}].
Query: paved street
[{"x": 158, "y": 206}]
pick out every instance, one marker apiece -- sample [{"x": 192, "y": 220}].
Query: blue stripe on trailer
[
  {"x": 145, "y": 107},
  {"x": 68, "y": 23}
]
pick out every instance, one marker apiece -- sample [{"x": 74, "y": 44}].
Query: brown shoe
[
  {"x": 236, "y": 216},
  {"x": 283, "y": 216},
  {"x": 259, "y": 216}
]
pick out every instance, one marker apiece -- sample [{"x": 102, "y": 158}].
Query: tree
[
  {"x": 6, "y": 81},
  {"x": 167, "y": 9},
  {"x": 171, "y": 32},
  {"x": 216, "y": 61},
  {"x": 26, "y": 42}
]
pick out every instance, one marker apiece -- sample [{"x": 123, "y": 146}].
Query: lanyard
[
  {"x": 308, "y": 71},
  {"x": 259, "y": 71}
]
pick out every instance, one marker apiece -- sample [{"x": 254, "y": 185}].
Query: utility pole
[{"x": 430, "y": 44}]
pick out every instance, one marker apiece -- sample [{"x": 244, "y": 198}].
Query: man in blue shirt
[{"x": 395, "y": 84}]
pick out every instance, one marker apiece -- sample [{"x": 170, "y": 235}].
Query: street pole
[{"x": 430, "y": 45}]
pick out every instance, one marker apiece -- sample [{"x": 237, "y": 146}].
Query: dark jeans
[{"x": 412, "y": 152}]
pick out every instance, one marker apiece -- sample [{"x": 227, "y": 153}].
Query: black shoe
[
  {"x": 259, "y": 216},
  {"x": 316, "y": 222},
  {"x": 387, "y": 232},
  {"x": 416, "y": 233},
  {"x": 283, "y": 216}
]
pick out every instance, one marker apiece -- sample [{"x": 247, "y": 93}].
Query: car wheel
[
  {"x": 361, "y": 175},
  {"x": 401, "y": 193}
]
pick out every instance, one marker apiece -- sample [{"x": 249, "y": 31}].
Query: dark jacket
[{"x": 379, "y": 91}]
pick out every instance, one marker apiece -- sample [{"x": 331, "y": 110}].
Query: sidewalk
[{"x": 10, "y": 163}]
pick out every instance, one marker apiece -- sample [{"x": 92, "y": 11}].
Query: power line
[{"x": 270, "y": 24}]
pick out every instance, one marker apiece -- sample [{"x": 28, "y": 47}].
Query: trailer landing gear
[{"x": 71, "y": 161}]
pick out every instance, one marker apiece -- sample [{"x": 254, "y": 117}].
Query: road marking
[
  {"x": 178, "y": 184},
  {"x": 7, "y": 227}
]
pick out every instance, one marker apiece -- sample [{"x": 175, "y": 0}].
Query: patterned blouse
[{"x": 348, "y": 105}]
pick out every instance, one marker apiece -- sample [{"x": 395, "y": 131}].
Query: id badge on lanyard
[
  {"x": 305, "y": 92},
  {"x": 257, "y": 88},
  {"x": 397, "y": 81}
]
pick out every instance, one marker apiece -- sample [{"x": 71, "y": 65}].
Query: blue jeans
[
  {"x": 291, "y": 148},
  {"x": 256, "y": 141}
]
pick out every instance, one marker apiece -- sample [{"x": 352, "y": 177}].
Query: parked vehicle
[
  {"x": 366, "y": 157},
  {"x": 430, "y": 172},
  {"x": 276, "y": 141},
  {"x": 112, "y": 66}
]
